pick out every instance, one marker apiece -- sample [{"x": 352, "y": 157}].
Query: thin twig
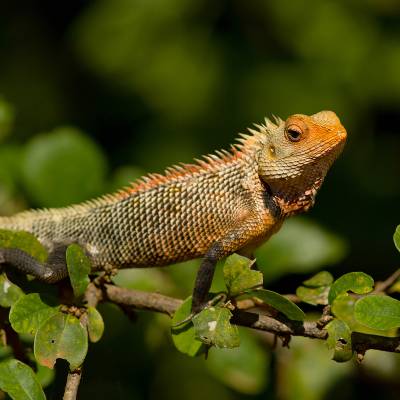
[
  {"x": 383, "y": 286},
  {"x": 71, "y": 387},
  {"x": 141, "y": 300},
  {"x": 293, "y": 298},
  {"x": 363, "y": 342}
]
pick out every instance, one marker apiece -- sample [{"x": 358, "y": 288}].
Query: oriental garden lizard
[{"x": 226, "y": 202}]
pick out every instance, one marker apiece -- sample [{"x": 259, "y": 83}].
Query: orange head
[{"x": 302, "y": 147}]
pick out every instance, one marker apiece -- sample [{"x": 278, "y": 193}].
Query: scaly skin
[{"x": 229, "y": 202}]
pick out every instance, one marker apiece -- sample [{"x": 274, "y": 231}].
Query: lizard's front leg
[
  {"x": 223, "y": 247},
  {"x": 53, "y": 270}
]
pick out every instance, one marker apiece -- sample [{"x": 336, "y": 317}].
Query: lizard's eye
[{"x": 293, "y": 133}]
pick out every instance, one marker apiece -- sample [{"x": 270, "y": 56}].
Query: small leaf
[
  {"x": 9, "y": 293},
  {"x": 339, "y": 339},
  {"x": 343, "y": 309},
  {"x": 396, "y": 238},
  {"x": 19, "y": 381},
  {"x": 61, "y": 336},
  {"x": 29, "y": 313},
  {"x": 279, "y": 302},
  {"x": 314, "y": 296},
  {"x": 378, "y": 312},
  {"x": 323, "y": 278},
  {"x": 24, "y": 241},
  {"x": 238, "y": 276},
  {"x": 212, "y": 326},
  {"x": 95, "y": 324},
  {"x": 244, "y": 368},
  {"x": 78, "y": 269},
  {"x": 184, "y": 336},
  {"x": 357, "y": 282}
]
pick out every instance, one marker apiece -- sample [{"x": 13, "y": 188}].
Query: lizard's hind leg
[{"x": 53, "y": 270}]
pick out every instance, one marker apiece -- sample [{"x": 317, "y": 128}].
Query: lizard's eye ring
[{"x": 293, "y": 133}]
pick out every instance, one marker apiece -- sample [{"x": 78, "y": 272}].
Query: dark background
[{"x": 94, "y": 93}]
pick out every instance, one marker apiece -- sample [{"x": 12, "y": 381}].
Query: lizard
[{"x": 226, "y": 202}]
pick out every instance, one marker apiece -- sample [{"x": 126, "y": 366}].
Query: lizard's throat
[{"x": 297, "y": 195}]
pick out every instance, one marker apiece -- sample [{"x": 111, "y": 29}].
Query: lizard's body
[
  {"x": 228, "y": 202},
  {"x": 161, "y": 222}
]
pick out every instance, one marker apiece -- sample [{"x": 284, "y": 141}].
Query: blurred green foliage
[
  {"x": 144, "y": 84},
  {"x": 62, "y": 168}
]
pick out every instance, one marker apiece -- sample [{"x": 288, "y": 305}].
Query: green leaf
[
  {"x": 78, "y": 269},
  {"x": 63, "y": 167},
  {"x": 61, "y": 336},
  {"x": 29, "y": 313},
  {"x": 24, "y": 241},
  {"x": 212, "y": 326},
  {"x": 378, "y": 312},
  {"x": 279, "y": 302},
  {"x": 19, "y": 381},
  {"x": 339, "y": 340},
  {"x": 9, "y": 293},
  {"x": 323, "y": 278},
  {"x": 95, "y": 324},
  {"x": 343, "y": 308},
  {"x": 396, "y": 238},
  {"x": 314, "y": 296},
  {"x": 357, "y": 282},
  {"x": 184, "y": 336},
  {"x": 244, "y": 368},
  {"x": 238, "y": 276}
]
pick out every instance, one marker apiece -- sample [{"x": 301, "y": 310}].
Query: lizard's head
[{"x": 298, "y": 152}]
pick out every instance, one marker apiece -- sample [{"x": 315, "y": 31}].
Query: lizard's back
[{"x": 157, "y": 223}]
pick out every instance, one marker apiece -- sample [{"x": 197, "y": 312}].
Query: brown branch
[
  {"x": 71, "y": 387},
  {"x": 383, "y": 286},
  {"x": 141, "y": 300},
  {"x": 363, "y": 342},
  {"x": 279, "y": 326},
  {"x": 293, "y": 298}
]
